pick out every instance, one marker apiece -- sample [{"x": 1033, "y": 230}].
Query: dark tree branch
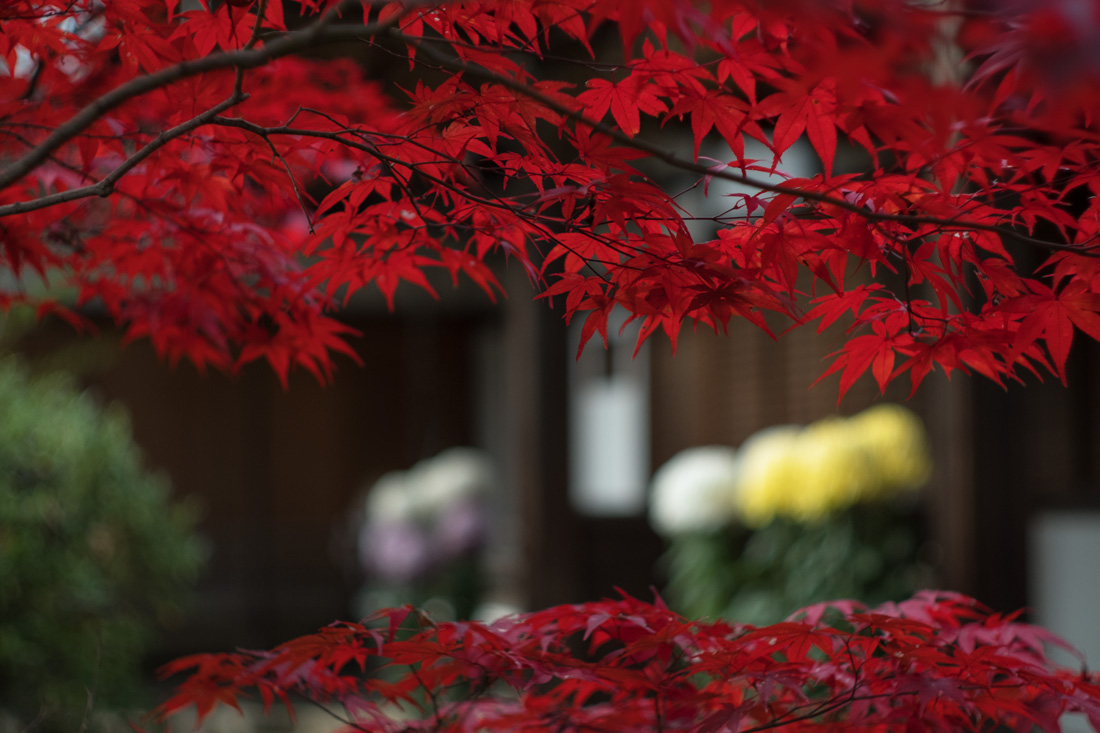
[
  {"x": 323, "y": 31},
  {"x": 294, "y": 42},
  {"x": 106, "y": 186}
]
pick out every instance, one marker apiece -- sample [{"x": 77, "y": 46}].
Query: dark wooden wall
[
  {"x": 276, "y": 471},
  {"x": 721, "y": 388},
  {"x": 1036, "y": 448}
]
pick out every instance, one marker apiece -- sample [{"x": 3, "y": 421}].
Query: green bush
[{"x": 93, "y": 556}]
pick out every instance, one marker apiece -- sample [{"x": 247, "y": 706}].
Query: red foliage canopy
[
  {"x": 937, "y": 662},
  {"x": 216, "y": 177}
]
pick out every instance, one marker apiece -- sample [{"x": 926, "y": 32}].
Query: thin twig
[
  {"x": 238, "y": 82},
  {"x": 293, "y": 181}
]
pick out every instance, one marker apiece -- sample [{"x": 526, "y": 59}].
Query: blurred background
[{"x": 282, "y": 477}]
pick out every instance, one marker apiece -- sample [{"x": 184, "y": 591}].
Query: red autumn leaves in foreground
[
  {"x": 936, "y": 662},
  {"x": 218, "y": 180}
]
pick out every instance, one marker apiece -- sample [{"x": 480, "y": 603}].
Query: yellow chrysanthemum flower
[
  {"x": 808, "y": 474},
  {"x": 769, "y": 473},
  {"x": 896, "y": 440},
  {"x": 834, "y": 470}
]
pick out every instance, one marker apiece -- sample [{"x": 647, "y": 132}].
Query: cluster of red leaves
[
  {"x": 210, "y": 182},
  {"x": 937, "y": 662}
]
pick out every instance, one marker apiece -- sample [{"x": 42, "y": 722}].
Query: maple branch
[
  {"x": 293, "y": 42},
  {"x": 106, "y": 185},
  {"x": 540, "y": 221},
  {"x": 181, "y": 225},
  {"x": 387, "y": 162},
  {"x": 321, "y": 31},
  {"x": 676, "y": 161},
  {"x": 490, "y": 199},
  {"x": 263, "y": 134},
  {"x": 261, "y": 8}
]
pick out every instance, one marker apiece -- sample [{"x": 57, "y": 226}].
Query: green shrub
[{"x": 93, "y": 556}]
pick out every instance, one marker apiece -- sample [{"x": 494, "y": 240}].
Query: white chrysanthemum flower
[
  {"x": 810, "y": 473},
  {"x": 390, "y": 500},
  {"x": 453, "y": 476},
  {"x": 694, "y": 491}
]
